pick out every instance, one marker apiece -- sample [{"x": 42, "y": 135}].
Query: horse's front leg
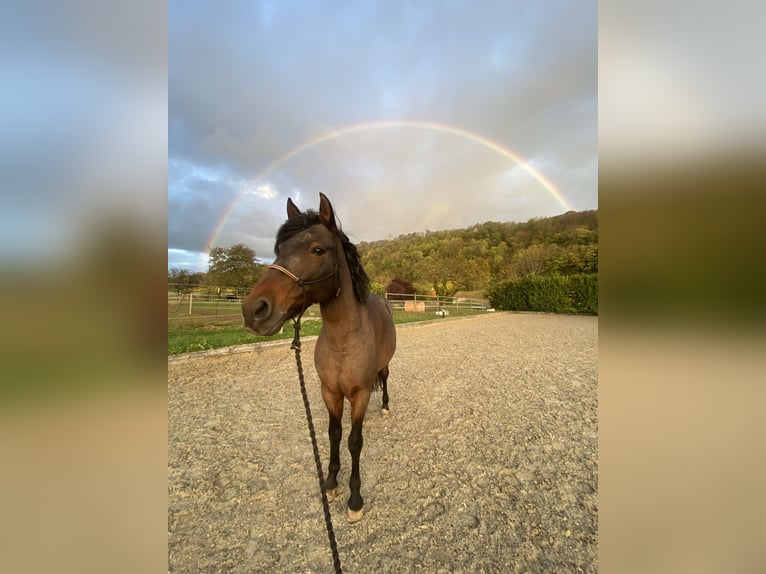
[
  {"x": 359, "y": 404},
  {"x": 334, "y": 405}
]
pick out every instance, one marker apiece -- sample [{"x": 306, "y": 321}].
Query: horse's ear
[
  {"x": 326, "y": 212},
  {"x": 292, "y": 209}
]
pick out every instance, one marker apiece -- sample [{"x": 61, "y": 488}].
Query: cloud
[
  {"x": 265, "y": 191},
  {"x": 249, "y": 88}
]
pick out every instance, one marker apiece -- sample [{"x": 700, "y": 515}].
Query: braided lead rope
[{"x": 296, "y": 346}]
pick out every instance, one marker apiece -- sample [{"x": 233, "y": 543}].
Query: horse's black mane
[{"x": 308, "y": 218}]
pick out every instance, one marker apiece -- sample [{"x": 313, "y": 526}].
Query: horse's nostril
[{"x": 262, "y": 309}]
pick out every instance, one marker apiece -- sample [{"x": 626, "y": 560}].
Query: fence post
[{"x": 191, "y": 296}]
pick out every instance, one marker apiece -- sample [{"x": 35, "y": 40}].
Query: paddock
[{"x": 487, "y": 462}]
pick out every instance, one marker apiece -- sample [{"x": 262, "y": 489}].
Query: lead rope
[{"x": 296, "y": 346}]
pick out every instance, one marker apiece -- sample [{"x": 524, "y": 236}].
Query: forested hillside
[{"x": 482, "y": 255}]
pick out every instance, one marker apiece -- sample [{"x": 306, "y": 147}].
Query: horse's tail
[
  {"x": 378, "y": 384},
  {"x": 380, "y": 381}
]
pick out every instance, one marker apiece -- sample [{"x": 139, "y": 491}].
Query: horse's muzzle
[{"x": 260, "y": 317}]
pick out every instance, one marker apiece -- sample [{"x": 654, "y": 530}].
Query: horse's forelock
[
  {"x": 309, "y": 218},
  {"x": 295, "y": 225}
]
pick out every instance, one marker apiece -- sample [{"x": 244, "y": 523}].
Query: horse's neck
[{"x": 343, "y": 312}]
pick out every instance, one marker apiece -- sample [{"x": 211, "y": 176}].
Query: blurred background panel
[
  {"x": 682, "y": 144},
  {"x": 83, "y": 156}
]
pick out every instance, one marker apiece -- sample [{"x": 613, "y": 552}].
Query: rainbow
[{"x": 391, "y": 124}]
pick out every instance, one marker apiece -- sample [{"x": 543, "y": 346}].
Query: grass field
[{"x": 219, "y": 324}]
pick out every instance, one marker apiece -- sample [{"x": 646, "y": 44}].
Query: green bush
[
  {"x": 547, "y": 294},
  {"x": 550, "y": 294},
  {"x": 508, "y": 296},
  {"x": 583, "y": 291}
]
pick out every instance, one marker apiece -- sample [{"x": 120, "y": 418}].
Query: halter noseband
[{"x": 301, "y": 283}]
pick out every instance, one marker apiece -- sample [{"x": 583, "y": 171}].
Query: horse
[{"x": 317, "y": 263}]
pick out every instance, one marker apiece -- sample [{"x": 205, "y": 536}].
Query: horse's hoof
[
  {"x": 354, "y": 515},
  {"x": 384, "y": 412},
  {"x": 331, "y": 494}
]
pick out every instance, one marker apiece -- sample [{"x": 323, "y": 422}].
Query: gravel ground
[{"x": 487, "y": 462}]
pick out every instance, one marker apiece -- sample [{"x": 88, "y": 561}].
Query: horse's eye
[{"x": 318, "y": 251}]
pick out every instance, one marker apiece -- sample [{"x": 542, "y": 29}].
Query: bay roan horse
[{"x": 316, "y": 263}]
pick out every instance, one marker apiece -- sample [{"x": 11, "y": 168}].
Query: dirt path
[{"x": 487, "y": 463}]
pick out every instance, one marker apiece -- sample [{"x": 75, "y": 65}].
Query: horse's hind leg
[{"x": 383, "y": 375}]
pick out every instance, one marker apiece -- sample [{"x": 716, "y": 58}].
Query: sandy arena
[{"x": 487, "y": 462}]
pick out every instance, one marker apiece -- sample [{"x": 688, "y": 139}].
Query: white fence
[
  {"x": 434, "y": 303},
  {"x": 227, "y": 301}
]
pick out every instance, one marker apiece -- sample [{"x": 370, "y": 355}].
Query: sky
[{"x": 409, "y": 116}]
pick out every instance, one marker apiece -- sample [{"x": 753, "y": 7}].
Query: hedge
[{"x": 551, "y": 294}]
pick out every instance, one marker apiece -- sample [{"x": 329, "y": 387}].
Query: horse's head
[{"x": 306, "y": 269}]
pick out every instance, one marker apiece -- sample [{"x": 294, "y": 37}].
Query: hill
[{"x": 479, "y": 256}]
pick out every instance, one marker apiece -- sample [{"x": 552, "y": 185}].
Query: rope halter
[{"x": 301, "y": 283}]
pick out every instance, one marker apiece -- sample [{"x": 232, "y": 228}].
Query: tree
[
  {"x": 485, "y": 253},
  {"x": 400, "y": 287},
  {"x": 530, "y": 261},
  {"x": 182, "y": 280},
  {"x": 233, "y": 266}
]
